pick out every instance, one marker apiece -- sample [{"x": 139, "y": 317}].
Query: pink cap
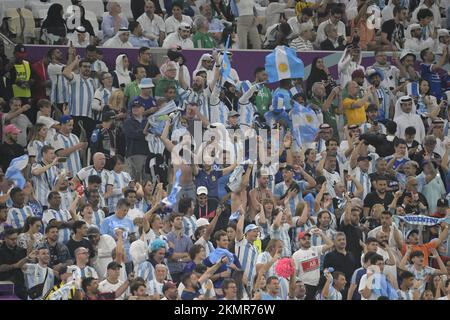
[{"x": 10, "y": 128}]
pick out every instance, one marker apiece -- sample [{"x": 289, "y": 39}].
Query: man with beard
[
  {"x": 352, "y": 230},
  {"x": 378, "y": 196},
  {"x": 433, "y": 72},
  {"x": 10, "y": 149},
  {"x": 198, "y": 95},
  {"x": 393, "y": 30},
  {"x": 181, "y": 38},
  {"x": 261, "y": 192},
  {"x": 307, "y": 260},
  {"x": 382, "y": 94},
  {"x": 340, "y": 259},
  {"x": 327, "y": 168}
]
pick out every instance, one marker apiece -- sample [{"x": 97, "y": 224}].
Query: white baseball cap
[
  {"x": 202, "y": 222},
  {"x": 202, "y": 190}
]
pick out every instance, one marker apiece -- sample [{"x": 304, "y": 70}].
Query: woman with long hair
[
  {"x": 31, "y": 238},
  {"x": 38, "y": 140},
  {"x": 264, "y": 219},
  {"x": 53, "y": 29}
]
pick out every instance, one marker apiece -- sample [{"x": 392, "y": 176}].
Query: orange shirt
[
  {"x": 425, "y": 248},
  {"x": 366, "y": 35}
]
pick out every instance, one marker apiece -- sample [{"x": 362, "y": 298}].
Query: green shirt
[
  {"x": 203, "y": 40},
  {"x": 263, "y": 100},
  {"x": 132, "y": 91},
  {"x": 163, "y": 83}
]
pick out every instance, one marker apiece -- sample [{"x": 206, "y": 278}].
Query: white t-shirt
[
  {"x": 307, "y": 263},
  {"x": 104, "y": 248},
  {"x": 362, "y": 286},
  {"x": 106, "y": 286}
]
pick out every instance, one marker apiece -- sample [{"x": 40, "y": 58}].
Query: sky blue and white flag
[
  {"x": 305, "y": 123},
  {"x": 218, "y": 254},
  {"x": 157, "y": 121},
  {"x": 283, "y": 63},
  {"x": 172, "y": 198},
  {"x": 14, "y": 171},
  {"x": 412, "y": 88},
  {"x": 421, "y": 220},
  {"x": 382, "y": 287},
  {"x": 225, "y": 67}
]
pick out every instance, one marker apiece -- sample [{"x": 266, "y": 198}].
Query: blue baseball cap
[
  {"x": 157, "y": 244},
  {"x": 64, "y": 119},
  {"x": 250, "y": 227}
]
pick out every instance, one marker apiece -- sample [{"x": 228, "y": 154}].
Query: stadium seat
[{"x": 96, "y": 6}]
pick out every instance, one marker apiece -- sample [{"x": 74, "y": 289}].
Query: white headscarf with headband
[{"x": 123, "y": 75}]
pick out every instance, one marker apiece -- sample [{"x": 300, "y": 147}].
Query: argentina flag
[
  {"x": 412, "y": 88},
  {"x": 225, "y": 67},
  {"x": 305, "y": 123},
  {"x": 172, "y": 198},
  {"x": 283, "y": 63},
  {"x": 14, "y": 171}
]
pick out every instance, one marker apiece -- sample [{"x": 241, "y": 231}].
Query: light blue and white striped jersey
[
  {"x": 82, "y": 273},
  {"x": 119, "y": 181},
  {"x": 34, "y": 149},
  {"x": 333, "y": 294},
  {"x": 146, "y": 271},
  {"x": 44, "y": 183},
  {"x": 247, "y": 254},
  {"x": 84, "y": 174},
  {"x": 60, "y": 85},
  {"x": 73, "y": 163},
  {"x": 405, "y": 295},
  {"x": 58, "y": 215},
  {"x": 281, "y": 188},
  {"x": 190, "y": 225},
  {"x": 16, "y": 216},
  {"x": 97, "y": 217},
  {"x": 82, "y": 94},
  {"x": 246, "y": 113},
  {"x": 98, "y": 66},
  {"x": 263, "y": 258},
  {"x": 201, "y": 99},
  {"x": 206, "y": 244},
  {"x": 364, "y": 179},
  {"x": 282, "y": 233},
  {"x": 218, "y": 110},
  {"x": 35, "y": 274},
  {"x": 284, "y": 288},
  {"x": 66, "y": 199},
  {"x": 385, "y": 101},
  {"x": 101, "y": 99}
]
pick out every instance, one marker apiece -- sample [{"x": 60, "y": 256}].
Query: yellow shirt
[{"x": 354, "y": 116}]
